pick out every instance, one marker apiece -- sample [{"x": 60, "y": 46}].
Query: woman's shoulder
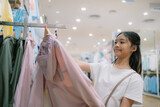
[{"x": 136, "y": 77}]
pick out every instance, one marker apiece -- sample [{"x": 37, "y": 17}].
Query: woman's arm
[
  {"x": 126, "y": 102},
  {"x": 83, "y": 65}
]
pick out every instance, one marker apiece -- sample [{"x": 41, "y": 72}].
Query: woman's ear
[{"x": 134, "y": 48}]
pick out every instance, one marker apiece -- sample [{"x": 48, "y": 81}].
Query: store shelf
[
  {"x": 151, "y": 95},
  {"x": 150, "y": 73}
]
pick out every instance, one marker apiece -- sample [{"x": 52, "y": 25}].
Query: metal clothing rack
[{"x": 26, "y": 25}]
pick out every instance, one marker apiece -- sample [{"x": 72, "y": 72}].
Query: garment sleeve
[
  {"x": 95, "y": 69},
  {"x": 134, "y": 89}
]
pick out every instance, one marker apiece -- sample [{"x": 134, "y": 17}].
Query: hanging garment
[
  {"x": 159, "y": 85},
  {"x": 150, "y": 85},
  {"x": 146, "y": 83},
  {"x": 31, "y": 4},
  {"x": 153, "y": 62},
  {"x": 6, "y": 15},
  {"x": 22, "y": 93},
  {"x": 153, "y": 84},
  {"x": 6, "y": 60},
  {"x": 66, "y": 83},
  {"x": 16, "y": 68},
  {"x": 10, "y": 66},
  {"x": 1, "y": 39},
  {"x": 18, "y": 16},
  {"x": 34, "y": 13}
]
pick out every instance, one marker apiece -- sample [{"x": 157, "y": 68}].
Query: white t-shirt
[{"x": 106, "y": 76}]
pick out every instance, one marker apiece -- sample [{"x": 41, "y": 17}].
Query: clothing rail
[
  {"x": 59, "y": 26},
  {"x": 26, "y": 25}
]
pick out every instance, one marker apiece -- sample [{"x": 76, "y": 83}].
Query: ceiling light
[
  {"x": 49, "y": 0},
  {"x": 145, "y": 13},
  {"x": 68, "y": 42},
  {"x": 145, "y": 39},
  {"x": 57, "y": 12},
  {"x": 78, "y": 20},
  {"x": 103, "y": 40},
  {"x": 123, "y": 1},
  {"x": 130, "y": 23},
  {"x": 98, "y": 43},
  {"x": 90, "y": 34},
  {"x": 118, "y": 30},
  {"x": 83, "y": 9},
  {"x": 69, "y": 38},
  {"x": 74, "y": 28}
]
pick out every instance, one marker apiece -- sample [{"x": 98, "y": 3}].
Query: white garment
[
  {"x": 106, "y": 76},
  {"x": 153, "y": 62}
]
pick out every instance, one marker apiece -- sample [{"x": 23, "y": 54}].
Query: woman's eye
[
  {"x": 115, "y": 42},
  {"x": 121, "y": 42}
]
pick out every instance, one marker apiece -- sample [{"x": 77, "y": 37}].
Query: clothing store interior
[{"x": 41, "y": 40}]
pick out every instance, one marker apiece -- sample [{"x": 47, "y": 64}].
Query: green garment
[
  {"x": 16, "y": 69},
  {"x": 11, "y": 53}
]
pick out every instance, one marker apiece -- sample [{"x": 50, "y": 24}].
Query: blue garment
[
  {"x": 146, "y": 83},
  {"x": 150, "y": 85},
  {"x": 101, "y": 55},
  {"x": 36, "y": 50},
  {"x": 18, "y": 16},
  {"x": 35, "y": 12},
  {"x": 154, "y": 84}
]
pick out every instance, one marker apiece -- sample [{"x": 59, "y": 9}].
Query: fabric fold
[
  {"x": 23, "y": 89},
  {"x": 66, "y": 83}
]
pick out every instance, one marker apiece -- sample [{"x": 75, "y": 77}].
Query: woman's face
[{"x": 122, "y": 47}]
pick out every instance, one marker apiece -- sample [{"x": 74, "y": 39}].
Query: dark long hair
[{"x": 135, "y": 59}]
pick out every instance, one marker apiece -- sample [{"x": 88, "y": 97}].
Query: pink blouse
[
  {"x": 21, "y": 98},
  {"x": 67, "y": 85}
]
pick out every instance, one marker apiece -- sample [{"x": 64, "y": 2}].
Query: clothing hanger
[
  {"x": 55, "y": 33},
  {"x": 15, "y": 5},
  {"x": 30, "y": 34},
  {"x": 2, "y": 28},
  {"x": 1, "y": 32},
  {"x": 21, "y": 34},
  {"x": 13, "y": 34},
  {"x": 46, "y": 31}
]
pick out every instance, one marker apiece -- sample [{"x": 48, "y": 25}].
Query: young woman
[{"x": 106, "y": 76}]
